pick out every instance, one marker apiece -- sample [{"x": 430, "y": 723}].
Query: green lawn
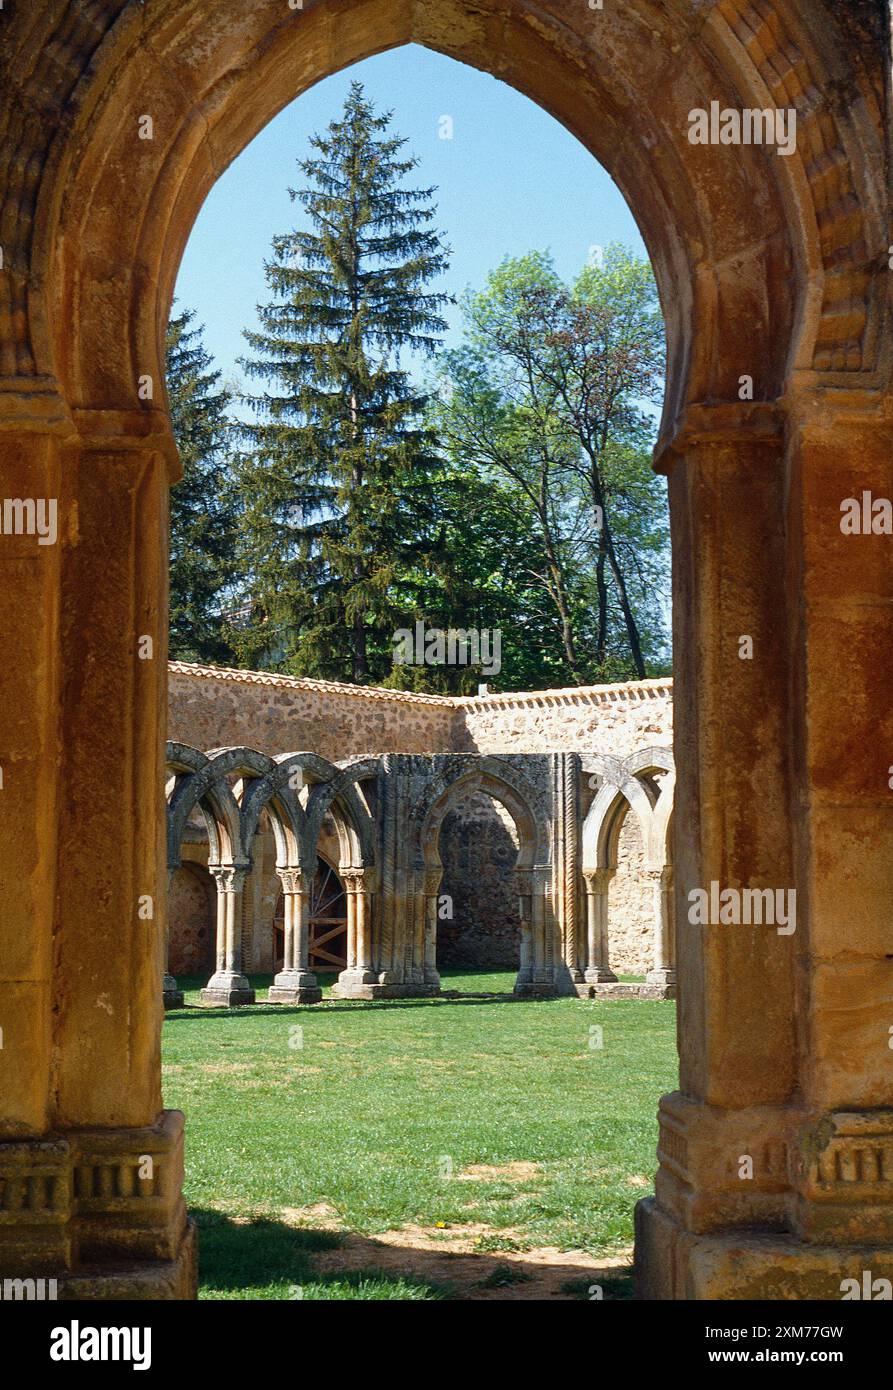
[{"x": 377, "y": 1110}]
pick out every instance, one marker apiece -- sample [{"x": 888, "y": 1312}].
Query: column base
[
  {"x": 227, "y": 989},
  {"x": 626, "y": 991},
  {"x": 675, "y": 1263},
  {"x": 295, "y": 987},
  {"x": 599, "y": 975},
  {"x": 535, "y": 989},
  {"x": 164, "y": 1279},
  {"x": 101, "y": 1212},
  {"x": 171, "y": 995},
  {"x": 366, "y": 984}
]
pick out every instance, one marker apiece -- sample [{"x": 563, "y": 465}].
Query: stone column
[
  {"x": 358, "y": 980},
  {"x": 228, "y": 985},
  {"x": 731, "y": 1148},
  {"x": 565, "y": 771},
  {"x": 296, "y": 982},
  {"x": 432, "y": 882},
  {"x": 842, "y": 479},
  {"x": 598, "y": 970},
  {"x": 83, "y": 861},
  {"x": 525, "y": 913},
  {"x": 538, "y": 953},
  {"x": 662, "y": 975},
  {"x": 172, "y": 997}
]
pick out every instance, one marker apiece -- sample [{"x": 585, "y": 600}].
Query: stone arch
[
  {"x": 784, "y": 256},
  {"x": 642, "y": 785},
  {"x": 540, "y": 949},
  {"x": 328, "y": 789},
  {"x": 213, "y": 83},
  {"x": 618, "y": 789},
  {"x": 497, "y": 779},
  {"x": 194, "y": 783},
  {"x": 263, "y": 785},
  {"x": 339, "y": 793}
]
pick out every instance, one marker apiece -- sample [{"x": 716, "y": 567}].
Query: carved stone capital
[
  {"x": 230, "y": 878},
  {"x": 292, "y": 880},
  {"x": 433, "y": 880}
]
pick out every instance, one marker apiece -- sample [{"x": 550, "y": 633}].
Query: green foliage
[
  {"x": 515, "y": 495},
  {"x": 337, "y": 485},
  {"x": 202, "y": 520},
  {"x": 543, "y": 403}
]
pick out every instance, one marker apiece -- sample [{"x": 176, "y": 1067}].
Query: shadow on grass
[
  {"x": 261, "y": 1258},
  {"x": 615, "y": 1287},
  {"x": 190, "y": 1012}
]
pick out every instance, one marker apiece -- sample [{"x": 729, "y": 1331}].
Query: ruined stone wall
[
  {"x": 616, "y": 719},
  {"x": 630, "y": 914},
  {"x": 192, "y": 915},
  {"x": 210, "y": 707},
  {"x": 478, "y": 849}
]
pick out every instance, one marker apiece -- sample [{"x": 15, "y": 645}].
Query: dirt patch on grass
[
  {"x": 320, "y": 1216},
  {"x": 413, "y": 1062},
  {"x": 492, "y": 1172},
  {"x": 431, "y": 1255}
]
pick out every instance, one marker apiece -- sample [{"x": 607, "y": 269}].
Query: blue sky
[{"x": 510, "y": 180}]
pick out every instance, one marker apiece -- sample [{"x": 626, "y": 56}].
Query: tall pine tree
[
  {"x": 202, "y": 534},
  {"x": 337, "y": 484}
]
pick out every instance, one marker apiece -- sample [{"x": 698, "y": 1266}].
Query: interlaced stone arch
[
  {"x": 775, "y": 268},
  {"x": 641, "y": 784},
  {"x": 624, "y": 780},
  {"x": 495, "y": 778},
  {"x": 196, "y": 783},
  {"x": 339, "y": 792},
  {"x": 263, "y": 785}
]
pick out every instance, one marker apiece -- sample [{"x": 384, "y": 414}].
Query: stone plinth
[
  {"x": 673, "y": 1263},
  {"x": 295, "y": 987},
  {"x": 619, "y": 990},
  {"x": 227, "y": 989},
  {"x": 100, "y": 1211},
  {"x": 375, "y": 989},
  {"x": 171, "y": 995}
]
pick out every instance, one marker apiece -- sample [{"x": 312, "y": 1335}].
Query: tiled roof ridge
[
  {"x": 628, "y": 691},
  {"x": 373, "y": 692}
]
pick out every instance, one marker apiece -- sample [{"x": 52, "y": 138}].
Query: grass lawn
[{"x": 372, "y": 1117}]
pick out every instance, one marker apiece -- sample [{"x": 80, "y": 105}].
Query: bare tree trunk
[
  {"x": 601, "y": 647},
  {"x": 632, "y": 630}
]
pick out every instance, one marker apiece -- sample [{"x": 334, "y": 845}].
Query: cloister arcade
[{"x": 387, "y": 813}]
